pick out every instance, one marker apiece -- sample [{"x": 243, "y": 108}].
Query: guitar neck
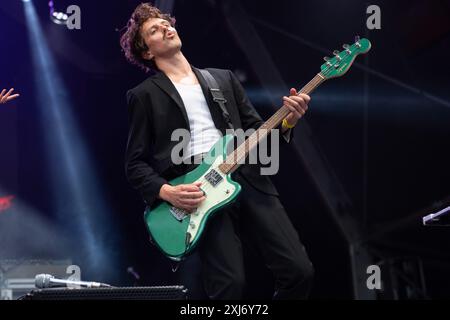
[{"x": 235, "y": 158}]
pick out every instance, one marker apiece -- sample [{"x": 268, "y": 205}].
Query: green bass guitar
[{"x": 177, "y": 232}]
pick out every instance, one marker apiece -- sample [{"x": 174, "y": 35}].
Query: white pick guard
[{"x": 214, "y": 195}]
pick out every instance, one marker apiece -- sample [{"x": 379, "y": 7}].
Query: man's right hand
[{"x": 183, "y": 196}]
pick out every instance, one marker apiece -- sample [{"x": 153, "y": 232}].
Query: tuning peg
[
  {"x": 327, "y": 60},
  {"x": 336, "y": 53},
  {"x": 357, "y": 38},
  {"x": 347, "y": 48}
]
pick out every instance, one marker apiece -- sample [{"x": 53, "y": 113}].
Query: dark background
[{"x": 388, "y": 145}]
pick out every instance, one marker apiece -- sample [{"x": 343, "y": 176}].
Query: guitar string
[
  {"x": 310, "y": 85},
  {"x": 242, "y": 154},
  {"x": 313, "y": 83}
]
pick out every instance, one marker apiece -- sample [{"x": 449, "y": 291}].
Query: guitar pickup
[{"x": 213, "y": 177}]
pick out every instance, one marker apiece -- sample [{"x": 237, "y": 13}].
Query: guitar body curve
[{"x": 175, "y": 232}]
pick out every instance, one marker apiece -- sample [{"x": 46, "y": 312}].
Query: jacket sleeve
[
  {"x": 249, "y": 117},
  {"x": 140, "y": 174}
]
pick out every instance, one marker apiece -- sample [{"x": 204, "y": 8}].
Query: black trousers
[{"x": 263, "y": 220}]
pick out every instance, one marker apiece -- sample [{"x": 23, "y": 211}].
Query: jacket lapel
[{"x": 162, "y": 81}]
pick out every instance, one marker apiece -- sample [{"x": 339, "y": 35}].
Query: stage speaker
[{"x": 113, "y": 293}]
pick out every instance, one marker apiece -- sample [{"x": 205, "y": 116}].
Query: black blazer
[{"x": 156, "y": 109}]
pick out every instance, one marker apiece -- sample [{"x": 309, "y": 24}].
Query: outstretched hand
[{"x": 7, "y": 96}]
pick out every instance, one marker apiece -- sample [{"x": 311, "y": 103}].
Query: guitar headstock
[{"x": 342, "y": 61}]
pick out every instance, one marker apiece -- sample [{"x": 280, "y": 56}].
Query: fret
[{"x": 234, "y": 159}]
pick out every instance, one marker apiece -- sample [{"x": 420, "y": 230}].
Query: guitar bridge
[{"x": 178, "y": 213}]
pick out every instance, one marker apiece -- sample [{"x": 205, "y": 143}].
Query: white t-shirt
[{"x": 203, "y": 130}]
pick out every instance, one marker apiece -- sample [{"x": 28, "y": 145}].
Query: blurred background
[{"x": 367, "y": 163}]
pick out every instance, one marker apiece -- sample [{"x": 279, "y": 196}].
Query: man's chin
[{"x": 177, "y": 46}]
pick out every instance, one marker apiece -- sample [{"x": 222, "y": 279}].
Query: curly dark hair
[{"x": 133, "y": 45}]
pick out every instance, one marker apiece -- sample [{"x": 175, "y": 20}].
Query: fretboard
[{"x": 235, "y": 158}]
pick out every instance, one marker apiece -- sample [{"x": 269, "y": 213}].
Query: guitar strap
[{"x": 217, "y": 95}]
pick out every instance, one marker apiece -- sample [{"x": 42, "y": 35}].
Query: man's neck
[{"x": 175, "y": 67}]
